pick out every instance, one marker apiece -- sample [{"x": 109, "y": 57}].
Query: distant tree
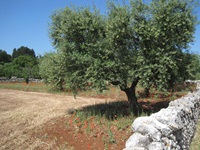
[
  {"x": 22, "y": 67},
  {"x": 4, "y": 57},
  {"x": 132, "y": 44},
  {"x": 24, "y": 64},
  {"x": 23, "y": 61},
  {"x": 2, "y": 71},
  {"x": 8, "y": 70},
  {"x": 22, "y": 51}
]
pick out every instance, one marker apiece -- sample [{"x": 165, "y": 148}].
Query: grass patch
[
  {"x": 113, "y": 92},
  {"x": 33, "y": 87},
  {"x": 195, "y": 145},
  {"x": 110, "y": 123}
]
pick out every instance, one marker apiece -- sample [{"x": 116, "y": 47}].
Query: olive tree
[
  {"x": 132, "y": 43},
  {"x": 163, "y": 31}
]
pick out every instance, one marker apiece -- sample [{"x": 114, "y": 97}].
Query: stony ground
[{"x": 21, "y": 113}]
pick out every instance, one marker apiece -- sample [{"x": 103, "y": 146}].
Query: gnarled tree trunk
[{"x": 131, "y": 95}]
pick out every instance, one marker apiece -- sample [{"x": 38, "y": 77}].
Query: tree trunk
[
  {"x": 131, "y": 95},
  {"x": 146, "y": 92}
]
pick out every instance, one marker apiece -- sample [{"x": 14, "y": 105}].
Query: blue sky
[{"x": 26, "y": 23}]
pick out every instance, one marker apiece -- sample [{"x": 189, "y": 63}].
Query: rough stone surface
[{"x": 171, "y": 128}]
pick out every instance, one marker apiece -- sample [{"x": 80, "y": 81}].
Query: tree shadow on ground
[
  {"x": 119, "y": 109},
  {"x": 150, "y": 107}
]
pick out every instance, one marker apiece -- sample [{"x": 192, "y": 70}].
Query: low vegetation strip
[
  {"x": 22, "y": 112},
  {"x": 196, "y": 142}
]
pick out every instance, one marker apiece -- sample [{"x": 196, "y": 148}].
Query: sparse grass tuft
[
  {"x": 33, "y": 87},
  {"x": 195, "y": 145},
  {"x": 102, "y": 119},
  {"x": 65, "y": 147}
]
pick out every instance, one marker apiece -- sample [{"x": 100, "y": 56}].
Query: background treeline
[{"x": 23, "y": 63}]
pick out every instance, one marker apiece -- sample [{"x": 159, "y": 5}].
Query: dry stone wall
[{"x": 171, "y": 128}]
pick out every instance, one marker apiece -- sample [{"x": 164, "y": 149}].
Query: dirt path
[{"x": 22, "y": 112}]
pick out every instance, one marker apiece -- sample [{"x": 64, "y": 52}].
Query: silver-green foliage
[
  {"x": 164, "y": 29},
  {"x": 79, "y": 35},
  {"x": 132, "y": 43},
  {"x": 52, "y": 69}
]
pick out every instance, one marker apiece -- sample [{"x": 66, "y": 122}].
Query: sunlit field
[{"x": 104, "y": 125}]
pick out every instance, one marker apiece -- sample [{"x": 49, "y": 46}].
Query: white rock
[
  {"x": 156, "y": 146},
  {"x": 137, "y": 140}
]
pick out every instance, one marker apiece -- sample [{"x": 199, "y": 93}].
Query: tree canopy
[
  {"x": 4, "y": 57},
  {"x": 22, "y": 64},
  {"x": 136, "y": 43},
  {"x": 22, "y": 51}
]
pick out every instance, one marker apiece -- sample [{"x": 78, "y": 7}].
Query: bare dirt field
[{"x": 21, "y": 113}]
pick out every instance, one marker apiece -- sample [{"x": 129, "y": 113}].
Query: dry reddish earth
[
  {"x": 39, "y": 121},
  {"x": 24, "y": 114}
]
